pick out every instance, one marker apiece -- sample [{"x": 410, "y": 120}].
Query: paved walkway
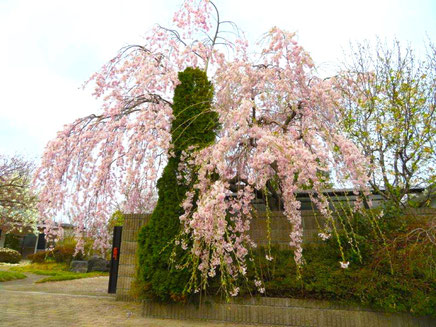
[{"x": 81, "y": 302}]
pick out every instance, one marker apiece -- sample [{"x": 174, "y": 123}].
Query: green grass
[
  {"x": 49, "y": 268},
  {"x": 10, "y": 275},
  {"x": 56, "y": 271},
  {"x": 70, "y": 276}
]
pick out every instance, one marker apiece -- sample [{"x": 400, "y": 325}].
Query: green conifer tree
[{"x": 194, "y": 126}]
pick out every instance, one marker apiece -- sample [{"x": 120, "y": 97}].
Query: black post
[{"x": 115, "y": 259}]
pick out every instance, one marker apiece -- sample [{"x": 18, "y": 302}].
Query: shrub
[
  {"x": 369, "y": 284},
  {"x": 65, "y": 249},
  {"x": 40, "y": 257},
  {"x": 9, "y": 255},
  {"x": 63, "y": 252},
  {"x": 408, "y": 251}
]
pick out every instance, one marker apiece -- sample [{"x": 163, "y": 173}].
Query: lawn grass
[
  {"x": 49, "y": 268},
  {"x": 71, "y": 276},
  {"x": 56, "y": 271},
  {"x": 10, "y": 275}
]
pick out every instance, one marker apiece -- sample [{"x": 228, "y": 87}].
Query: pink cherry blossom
[
  {"x": 278, "y": 122},
  {"x": 344, "y": 265}
]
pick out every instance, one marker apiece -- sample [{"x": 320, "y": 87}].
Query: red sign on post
[{"x": 116, "y": 245}]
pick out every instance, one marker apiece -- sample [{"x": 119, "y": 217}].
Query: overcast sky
[{"x": 49, "y": 48}]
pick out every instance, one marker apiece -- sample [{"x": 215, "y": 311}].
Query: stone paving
[{"x": 81, "y": 302}]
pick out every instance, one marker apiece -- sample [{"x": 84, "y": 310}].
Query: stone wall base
[{"x": 283, "y": 312}]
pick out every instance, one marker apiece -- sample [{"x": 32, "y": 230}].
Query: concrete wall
[{"x": 283, "y": 312}]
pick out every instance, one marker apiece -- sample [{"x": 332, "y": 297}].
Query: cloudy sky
[{"x": 49, "y": 48}]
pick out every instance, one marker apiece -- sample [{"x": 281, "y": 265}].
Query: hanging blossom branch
[
  {"x": 116, "y": 155},
  {"x": 278, "y": 122}
]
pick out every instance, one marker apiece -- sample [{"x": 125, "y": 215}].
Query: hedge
[{"x": 9, "y": 255}]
